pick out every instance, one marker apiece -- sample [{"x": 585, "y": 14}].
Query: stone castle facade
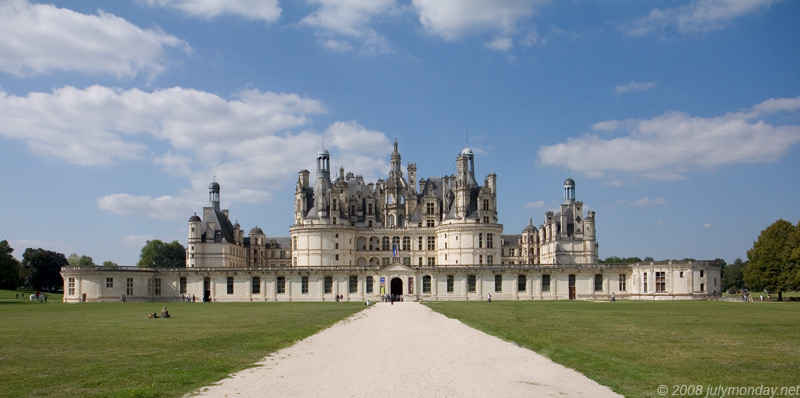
[{"x": 436, "y": 238}]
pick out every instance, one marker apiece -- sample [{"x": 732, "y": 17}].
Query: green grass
[
  {"x": 24, "y": 295},
  {"x": 633, "y": 347},
  {"x": 113, "y": 349}
]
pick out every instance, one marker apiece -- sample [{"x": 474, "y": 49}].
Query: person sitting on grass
[{"x": 153, "y": 315}]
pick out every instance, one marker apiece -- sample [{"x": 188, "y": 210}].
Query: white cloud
[
  {"x": 249, "y": 142},
  {"x": 670, "y": 146},
  {"x": 41, "y": 38},
  {"x": 337, "y": 22},
  {"x": 501, "y": 44},
  {"x": 534, "y": 205},
  {"x": 136, "y": 240},
  {"x": 453, "y": 19},
  {"x": 634, "y": 86},
  {"x": 267, "y": 10},
  {"x": 698, "y": 17},
  {"x": 643, "y": 202}
]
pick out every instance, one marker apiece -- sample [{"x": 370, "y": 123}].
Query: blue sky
[{"x": 678, "y": 120}]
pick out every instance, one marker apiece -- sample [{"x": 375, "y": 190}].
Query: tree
[
  {"x": 9, "y": 267},
  {"x": 75, "y": 260},
  {"x": 157, "y": 254},
  {"x": 732, "y": 277},
  {"x": 41, "y": 269},
  {"x": 110, "y": 264},
  {"x": 771, "y": 264}
]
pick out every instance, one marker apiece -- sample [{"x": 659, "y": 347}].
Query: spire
[{"x": 213, "y": 194}]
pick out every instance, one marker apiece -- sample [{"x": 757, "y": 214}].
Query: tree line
[{"x": 40, "y": 269}]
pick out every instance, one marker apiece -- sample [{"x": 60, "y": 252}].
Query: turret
[
  {"x": 569, "y": 191},
  {"x": 213, "y": 195}
]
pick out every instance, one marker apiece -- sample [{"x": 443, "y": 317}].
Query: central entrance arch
[{"x": 396, "y": 287}]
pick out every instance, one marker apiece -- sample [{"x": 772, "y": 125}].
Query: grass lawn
[
  {"x": 113, "y": 349},
  {"x": 634, "y": 347}
]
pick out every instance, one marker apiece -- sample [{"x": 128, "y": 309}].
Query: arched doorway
[{"x": 396, "y": 287}]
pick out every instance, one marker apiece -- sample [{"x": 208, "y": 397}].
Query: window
[
  {"x": 644, "y": 279},
  {"x": 480, "y": 241},
  {"x": 486, "y": 220},
  {"x": 545, "y": 283},
  {"x": 622, "y": 282},
  {"x": 149, "y": 287},
  {"x": 701, "y": 273},
  {"x": 182, "y": 285},
  {"x": 294, "y": 243},
  {"x": 129, "y": 287},
  {"x": 369, "y": 284},
  {"x": 480, "y": 259},
  {"x": 432, "y": 243},
  {"x": 256, "y": 288},
  {"x": 511, "y": 252},
  {"x": 431, "y": 260},
  {"x": 702, "y": 287},
  {"x": 498, "y": 283},
  {"x": 385, "y": 260},
  {"x": 522, "y": 282},
  {"x": 486, "y": 204},
  {"x": 406, "y": 260},
  {"x": 328, "y": 284},
  {"x": 72, "y": 286},
  {"x": 406, "y": 243},
  {"x": 420, "y": 244},
  {"x": 450, "y": 283},
  {"x": 304, "y": 285},
  {"x": 410, "y": 285},
  {"x": 661, "y": 282},
  {"x": 283, "y": 254},
  {"x": 353, "y": 285},
  {"x": 230, "y": 285},
  {"x": 420, "y": 261},
  {"x": 681, "y": 274},
  {"x": 281, "y": 288},
  {"x": 430, "y": 208},
  {"x": 471, "y": 283},
  {"x": 490, "y": 241},
  {"x": 158, "y": 286},
  {"x": 109, "y": 282},
  {"x": 426, "y": 284},
  {"x": 385, "y": 243},
  {"x": 598, "y": 282},
  {"x": 396, "y": 243}
]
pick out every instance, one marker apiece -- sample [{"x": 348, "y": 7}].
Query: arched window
[
  {"x": 396, "y": 242},
  {"x": 426, "y": 284},
  {"x": 385, "y": 244}
]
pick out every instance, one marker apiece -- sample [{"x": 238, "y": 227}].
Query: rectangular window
[
  {"x": 490, "y": 241},
  {"x": 598, "y": 282},
  {"x": 480, "y": 259},
  {"x": 304, "y": 285},
  {"x": 431, "y": 260},
  {"x": 430, "y": 223},
  {"x": 129, "y": 287},
  {"x": 471, "y": 283},
  {"x": 353, "y": 285},
  {"x": 369, "y": 284},
  {"x": 158, "y": 286},
  {"x": 71, "y": 286},
  {"x": 661, "y": 282},
  {"x": 256, "y": 288},
  {"x": 498, "y": 283},
  {"x": 681, "y": 274},
  {"x": 486, "y": 204},
  {"x": 489, "y": 259},
  {"x": 623, "y": 282},
  {"x": 701, "y": 273},
  {"x": 420, "y": 261},
  {"x": 149, "y": 287},
  {"x": 702, "y": 287},
  {"x": 522, "y": 283},
  {"x": 450, "y": 283},
  {"x": 281, "y": 288},
  {"x": 230, "y": 284},
  {"x": 545, "y": 283},
  {"x": 328, "y": 284},
  {"x": 426, "y": 284},
  {"x": 109, "y": 282},
  {"x": 420, "y": 244},
  {"x": 182, "y": 285},
  {"x": 385, "y": 260},
  {"x": 406, "y": 260},
  {"x": 644, "y": 279},
  {"x": 480, "y": 241},
  {"x": 432, "y": 243},
  {"x": 406, "y": 243}
]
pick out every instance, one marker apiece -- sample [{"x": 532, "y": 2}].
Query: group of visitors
[
  {"x": 391, "y": 298},
  {"x": 339, "y": 297},
  {"x": 164, "y": 314},
  {"x": 187, "y": 298}
]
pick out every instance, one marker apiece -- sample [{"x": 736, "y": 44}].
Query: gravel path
[{"x": 405, "y": 350}]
